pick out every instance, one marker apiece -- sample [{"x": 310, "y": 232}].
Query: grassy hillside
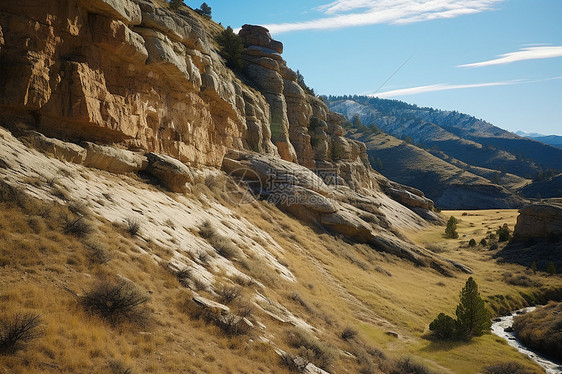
[
  {"x": 446, "y": 184},
  {"x": 464, "y": 137},
  {"x": 67, "y": 229}
]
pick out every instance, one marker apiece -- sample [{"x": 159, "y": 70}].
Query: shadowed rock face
[
  {"x": 537, "y": 237},
  {"x": 539, "y": 221}
]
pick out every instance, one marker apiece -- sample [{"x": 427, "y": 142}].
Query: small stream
[{"x": 498, "y": 328}]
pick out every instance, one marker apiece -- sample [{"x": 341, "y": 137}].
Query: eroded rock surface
[{"x": 539, "y": 221}]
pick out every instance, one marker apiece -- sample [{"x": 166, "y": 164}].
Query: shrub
[
  {"x": 311, "y": 349},
  {"x": 483, "y": 242},
  {"x": 97, "y": 252},
  {"x": 206, "y": 230},
  {"x": 451, "y": 229},
  {"x": 406, "y": 365},
  {"x": 222, "y": 245},
  {"x": 228, "y": 294},
  {"x": 348, "y": 333},
  {"x": 77, "y": 226},
  {"x": 472, "y": 243},
  {"x": 18, "y": 330},
  {"x": 132, "y": 225},
  {"x": 503, "y": 233},
  {"x": 506, "y": 368},
  {"x": 443, "y": 326},
  {"x": 520, "y": 280},
  {"x": 116, "y": 301},
  {"x": 292, "y": 363},
  {"x": 231, "y": 47},
  {"x": 117, "y": 367}
]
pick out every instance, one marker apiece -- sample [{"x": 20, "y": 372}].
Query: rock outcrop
[
  {"x": 537, "y": 237},
  {"x": 356, "y": 214},
  {"x": 539, "y": 221},
  {"x": 130, "y": 86},
  {"x": 126, "y": 72}
]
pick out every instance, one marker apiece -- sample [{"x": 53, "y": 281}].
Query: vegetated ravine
[{"x": 502, "y": 327}]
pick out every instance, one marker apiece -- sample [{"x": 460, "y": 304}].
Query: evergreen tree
[
  {"x": 503, "y": 233},
  {"x": 231, "y": 47},
  {"x": 473, "y": 319},
  {"x": 300, "y": 81},
  {"x": 443, "y": 325},
  {"x": 451, "y": 229},
  {"x": 472, "y": 243},
  {"x": 551, "y": 270},
  {"x": 356, "y": 121},
  {"x": 204, "y": 10}
]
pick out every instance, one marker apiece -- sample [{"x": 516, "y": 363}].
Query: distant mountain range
[
  {"x": 555, "y": 140},
  {"x": 457, "y": 160}
]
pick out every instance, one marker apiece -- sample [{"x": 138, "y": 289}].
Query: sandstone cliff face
[
  {"x": 125, "y": 72},
  {"x": 140, "y": 87}
]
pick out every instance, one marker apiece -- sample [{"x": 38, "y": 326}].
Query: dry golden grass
[{"x": 339, "y": 285}]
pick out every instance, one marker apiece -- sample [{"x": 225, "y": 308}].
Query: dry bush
[
  {"x": 296, "y": 297},
  {"x": 116, "y": 301},
  {"x": 260, "y": 271},
  {"x": 520, "y": 280},
  {"x": 228, "y": 294},
  {"x": 79, "y": 208},
  {"x": 17, "y": 330},
  {"x": 133, "y": 226},
  {"x": 348, "y": 333},
  {"x": 406, "y": 365},
  {"x": 97, "y": 251},
  {"x": 506, "y": 368},
  {"x": 184, "y": 275},
  {"x": 312, "y": 349},
  {"x": 117, "y": 367},
  {"x": 292, "y": 363},
  {"x": 76, "y": 226},
  {"x": 222, "y": 245},
  {"x": 206, "y": 230}
]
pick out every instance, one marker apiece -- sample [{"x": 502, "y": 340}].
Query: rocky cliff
[
  {"x": 129, "y": 86},
  {"x": 537, "y": 237},
  {"x": 129, "y": 73}
]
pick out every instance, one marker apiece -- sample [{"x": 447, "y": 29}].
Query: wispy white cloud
[
  {"x": 528, "y": 53},
  {"x": 440, "y": 87},
  {"x": 349, "y": 13},
  {"x": 447, "y": 86}
]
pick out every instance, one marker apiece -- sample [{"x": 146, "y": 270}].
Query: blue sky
[{"x": 499, "y": 60}]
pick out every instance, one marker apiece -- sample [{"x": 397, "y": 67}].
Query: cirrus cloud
[
  {"x": 528, "y": 53},
  {"x": 447, "y": 87},
  {"x": 350, "y": 13}
]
